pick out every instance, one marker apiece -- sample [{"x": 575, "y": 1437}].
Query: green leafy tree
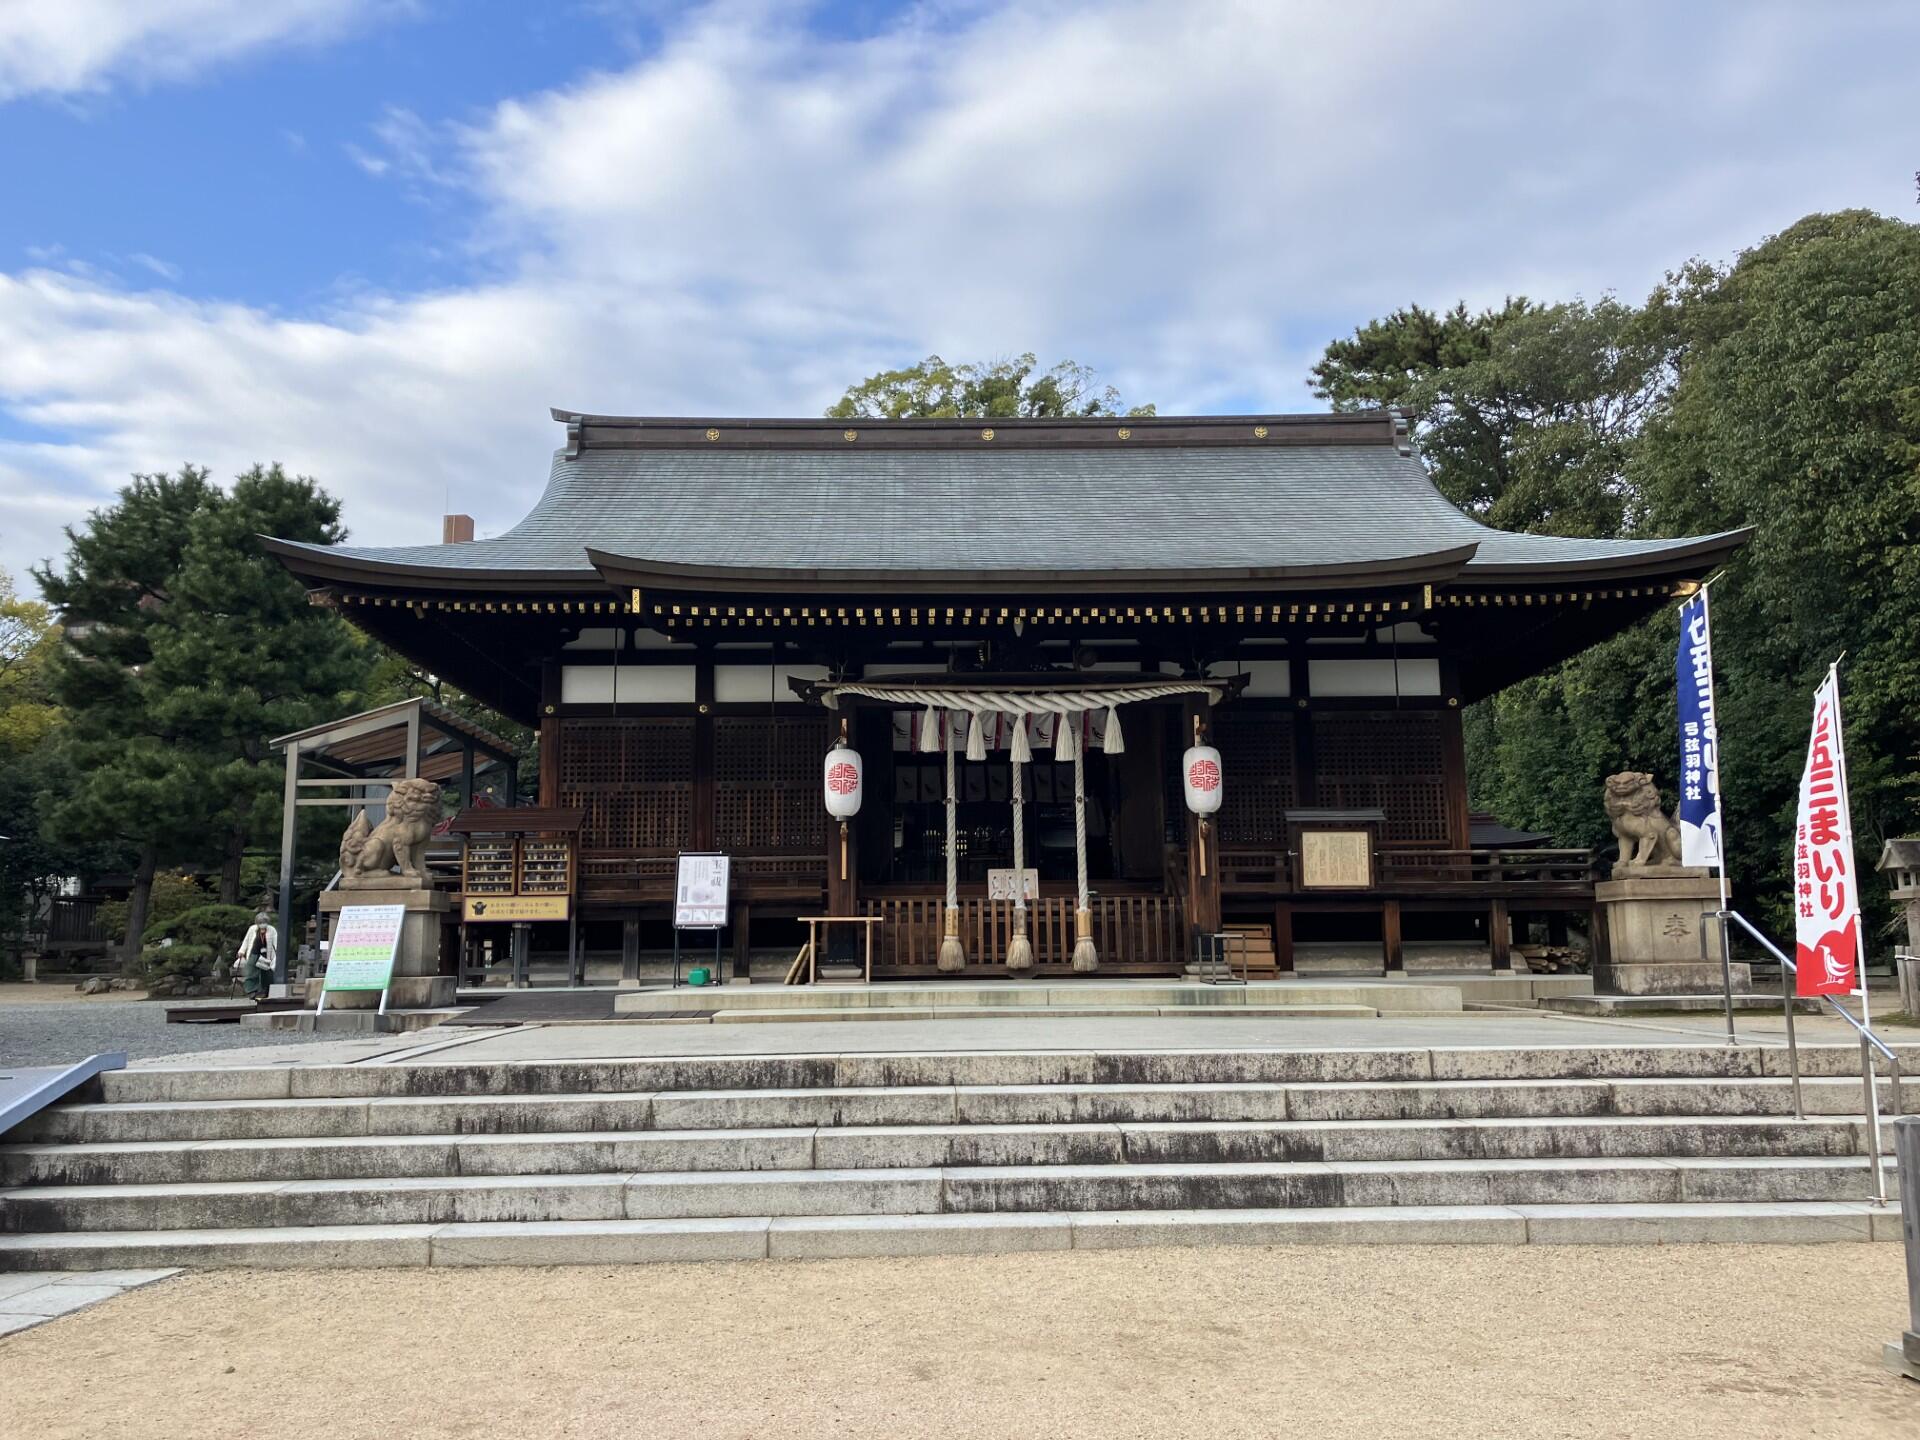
[
  {"x": 31, "y": 865},
  {"x": 1525, "y": 415},
  {"x": 1797, "y": 411},
  {"x": 187, "y": 648},
  {"x": 1780, "y": 392},
  {"x": 131, "y": 783},
  {"x": 998, "y": 389},
  {"x": 240, "y": 656}
]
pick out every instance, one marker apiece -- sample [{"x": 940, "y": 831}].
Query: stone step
[
  {"x": 950, "y": 1012},
  {"x": 676, "y": 1195},
  {"x": 917, "y": 1146},
  {"x": 613, "y": 1242},
  {"x": 156, "y": 1083},
  {"x": 935, "y": 1105}
]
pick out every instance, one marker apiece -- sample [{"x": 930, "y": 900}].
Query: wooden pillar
[
  {"x": 1203, "y": 890},
  {"x": 1499, "y": 935},
  {"x": 700, "y": 825},
  {"x": 1283, "y": 937},
  {"x": 1303, "y": 765},
  {"x": 742, "y": 946},
  {"x": 1390, "y": 937},
  {"x": 843, "y": 841},
  {"x": 551, "y": 739},
  {"x": 630, "y": 950},
  {"x": 1454, "y": 765}
]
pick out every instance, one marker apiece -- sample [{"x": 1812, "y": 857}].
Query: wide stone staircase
[{"x": 732, "y": 1157}]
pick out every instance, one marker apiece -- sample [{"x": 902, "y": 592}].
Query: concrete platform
[
  {"x": 1629, "y": 1005},
  {"x": 351, "y": 1022},
  {"x": 630, "y": 1241},
  {"x": 1426, "y": 995}
]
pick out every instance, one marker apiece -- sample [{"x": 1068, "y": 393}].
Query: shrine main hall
[{"x": 1135, "y": 682}]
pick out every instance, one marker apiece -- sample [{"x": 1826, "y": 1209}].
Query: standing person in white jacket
[{"x": 258, "y": 956}]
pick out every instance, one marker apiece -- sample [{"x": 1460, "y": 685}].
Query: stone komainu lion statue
[
  {"x": 1646, "y": 835},
  {"x": 368, "y": 851}
]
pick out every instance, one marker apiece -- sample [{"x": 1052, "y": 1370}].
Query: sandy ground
[{"x": 1442, "y": 1341}]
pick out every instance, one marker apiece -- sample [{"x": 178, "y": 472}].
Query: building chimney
[{"x": 456, "y": 529}]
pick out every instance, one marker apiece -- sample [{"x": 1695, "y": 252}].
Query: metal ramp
[{"x": 26, "y": 1090}]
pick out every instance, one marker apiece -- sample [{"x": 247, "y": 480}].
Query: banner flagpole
[
  {"x": 1846, "y": 798},
  {"x": 1719, "y": 796},
  {"x": 1868, "y": 1080},
  {"x": 1703, "y": 808}
]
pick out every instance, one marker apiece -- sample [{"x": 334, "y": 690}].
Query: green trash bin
[{"x": 700, "y": 975}]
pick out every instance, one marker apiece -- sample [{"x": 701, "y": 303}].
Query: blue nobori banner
[{"x": 1700, "y": 823}]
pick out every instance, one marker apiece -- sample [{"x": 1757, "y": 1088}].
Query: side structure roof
[{"x": 1313, "y": 500}]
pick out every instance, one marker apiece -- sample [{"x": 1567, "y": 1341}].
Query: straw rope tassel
[
  {"x": 1019, "y": 948},
  {"x": 1086, "y": 959},
  {"x": 953, "y": 955}
]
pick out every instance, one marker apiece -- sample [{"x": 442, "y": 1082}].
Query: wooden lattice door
[
  {"x": 1256, "y": 751},
  {"x": 634, "y": 778},
  {"x": 1393, "y": 761},
  {"x": 767, "y": 784}
]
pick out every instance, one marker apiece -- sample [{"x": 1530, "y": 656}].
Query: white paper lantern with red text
[
  {"x": 842, "y": 780},
  {"x": 1200, "y": 773}
]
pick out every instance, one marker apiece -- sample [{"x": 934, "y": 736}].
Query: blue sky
[{"x": 375, "y": 239}]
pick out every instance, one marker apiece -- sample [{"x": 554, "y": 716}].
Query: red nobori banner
[{"x": 1826, "y": 901}]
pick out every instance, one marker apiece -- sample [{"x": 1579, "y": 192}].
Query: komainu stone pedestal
[
  {"x": 417, "y": 983},
  {"x": 1653, "y": 917}
]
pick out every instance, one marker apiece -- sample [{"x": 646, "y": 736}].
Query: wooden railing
[
  {"x": 1261, "y": 871},
  {"x": 1135, "y": 934},
  {"x": 1267, "y": 871},
  {"x": 1442, "y": 869},
  {"x": 623, "y": 875}
]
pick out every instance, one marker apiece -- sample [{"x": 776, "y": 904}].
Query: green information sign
[{"x": 365, "y": 941}]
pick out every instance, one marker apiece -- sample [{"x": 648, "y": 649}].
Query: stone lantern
[{"x": 1900, "y": 863}]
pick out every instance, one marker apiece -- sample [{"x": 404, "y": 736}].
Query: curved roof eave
[
  {"x": 1680, "y": 555},
  {"x": 623, "y": 571},
  {"x": 326, "y": 564}
]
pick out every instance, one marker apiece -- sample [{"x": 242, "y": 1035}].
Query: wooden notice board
[
  {"x": 516, "y": 878},
  {"x": 1334, "y": 849}
]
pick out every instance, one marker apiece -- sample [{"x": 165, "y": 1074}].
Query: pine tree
[{"x": 188, "y": 649}]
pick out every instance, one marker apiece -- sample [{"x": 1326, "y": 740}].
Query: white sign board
[
  {"x": 700, "y": 893},
  {"x": 1000, "y": 885},
  {"x": 365, "y": 941}
]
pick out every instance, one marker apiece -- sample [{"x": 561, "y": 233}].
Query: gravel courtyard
[
  {"x": 48, "y": 1025},
  {"x": 1736, "y": 1341}
]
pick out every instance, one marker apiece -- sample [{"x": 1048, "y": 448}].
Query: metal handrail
[
  {"x": 1868, "y": 1081},
  {"x": 1793, "y": 969}
]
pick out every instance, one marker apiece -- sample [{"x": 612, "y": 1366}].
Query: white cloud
[
  {"x": 1193, "y": 198},
  {"x": 165, "y": 269},
  {"x": 63, "y": 46}
]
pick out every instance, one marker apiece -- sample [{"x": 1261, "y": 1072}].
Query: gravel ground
[
  {"x": 1686, "y": 1341},
  {"x": 37, "y": 1031}
]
